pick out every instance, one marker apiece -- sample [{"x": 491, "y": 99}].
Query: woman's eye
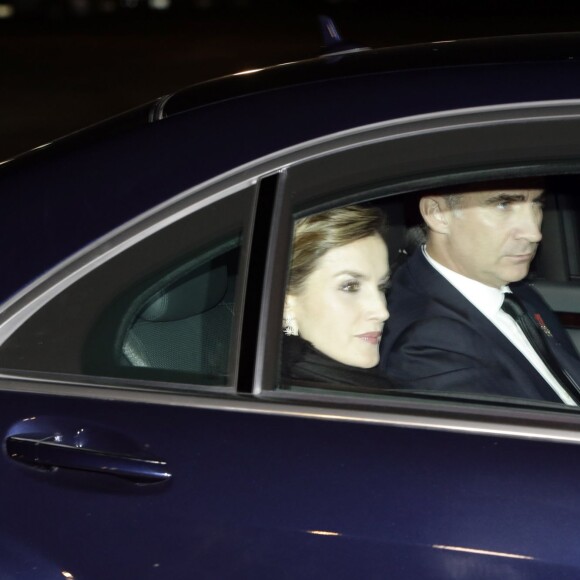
[{"x": 351, "y": 286}]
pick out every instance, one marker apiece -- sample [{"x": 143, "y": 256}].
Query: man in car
[{"x": 452, "y": 329}]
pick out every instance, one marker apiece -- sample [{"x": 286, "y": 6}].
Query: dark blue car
[{"x": 144, "y": 263}]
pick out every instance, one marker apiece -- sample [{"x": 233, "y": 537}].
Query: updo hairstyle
[{"x": 316, "y": 234}]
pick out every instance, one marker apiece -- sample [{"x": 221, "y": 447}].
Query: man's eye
[
  {"x": 351, "y": 286},
  {"x": 385, "y": 286}
]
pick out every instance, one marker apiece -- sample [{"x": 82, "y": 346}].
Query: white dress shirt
[{"x": 488, "y": 301}]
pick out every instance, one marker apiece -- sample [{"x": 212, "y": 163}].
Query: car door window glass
[
  {"x": 167, "y": 309},
  {"x": 487, "y": 372},
  {"x": 179, "y": 326}
]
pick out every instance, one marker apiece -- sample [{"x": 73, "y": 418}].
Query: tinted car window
[
  {"x": 163, "y": 310},
  {"x": 404, "y": 238},
  {"x": 181, "y": 324}
]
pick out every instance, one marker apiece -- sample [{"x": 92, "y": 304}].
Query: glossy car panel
[{"x": 317, "y": 497}]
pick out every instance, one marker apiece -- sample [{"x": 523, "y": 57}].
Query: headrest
[{"x": 200, "y": 291}]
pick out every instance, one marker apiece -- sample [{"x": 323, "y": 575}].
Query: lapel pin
[{"x": 540, "y": 321}]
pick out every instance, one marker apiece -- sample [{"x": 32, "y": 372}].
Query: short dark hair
[{"x": 455, "y": 191}]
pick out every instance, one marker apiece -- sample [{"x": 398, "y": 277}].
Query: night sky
[{"x": 59, "y": 72}]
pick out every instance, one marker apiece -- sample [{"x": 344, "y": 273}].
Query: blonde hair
[{"x": 316, "y": 234}]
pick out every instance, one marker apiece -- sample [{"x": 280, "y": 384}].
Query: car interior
[
  {"x": 555, "y": 271},
  {"x": 178, "y": 325},
  {"x": 186, "y": 325}
]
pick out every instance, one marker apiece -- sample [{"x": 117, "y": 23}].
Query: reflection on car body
[{"x": 146, "y": 427}]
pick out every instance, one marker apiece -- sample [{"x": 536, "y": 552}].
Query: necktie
[{"x": 513, "y": 306}]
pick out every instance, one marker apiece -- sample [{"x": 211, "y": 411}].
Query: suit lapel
[
  {"x": 441, "y": 290},
  {"x": 558, "y": 340}
]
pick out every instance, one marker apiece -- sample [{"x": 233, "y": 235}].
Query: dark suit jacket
[{"x": 436, "y": 340}]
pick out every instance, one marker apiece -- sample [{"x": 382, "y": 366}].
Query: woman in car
[{"x": 335, "y": 305}]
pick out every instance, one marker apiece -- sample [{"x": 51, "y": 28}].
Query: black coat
[
  {"x": 436, "y": 340},
  {"x": 303, "y": 365}
]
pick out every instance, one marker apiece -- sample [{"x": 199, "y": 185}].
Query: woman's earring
[{"x": 289, "y": 326}]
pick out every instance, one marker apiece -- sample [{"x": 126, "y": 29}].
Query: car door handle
[{"x": 46, "y": 453}]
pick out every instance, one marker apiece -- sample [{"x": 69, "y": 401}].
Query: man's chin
[{"x": 517, "y": 274}]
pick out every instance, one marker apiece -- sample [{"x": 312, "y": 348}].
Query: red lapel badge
[{"x": 542, "y": 324}]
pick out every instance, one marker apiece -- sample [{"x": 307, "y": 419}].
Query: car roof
[
  {"x": 531, "y": 48},
  {"x": 462, "y": 54},
  {"x": 359, "y": 62}
]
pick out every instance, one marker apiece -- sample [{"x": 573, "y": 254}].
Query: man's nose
[{"x": 531, "y": 223}]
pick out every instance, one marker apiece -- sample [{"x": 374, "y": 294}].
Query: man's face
[{"x": 492, "y": 236}]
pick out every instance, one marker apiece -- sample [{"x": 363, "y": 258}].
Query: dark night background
[{"x": 60, "y": 72}]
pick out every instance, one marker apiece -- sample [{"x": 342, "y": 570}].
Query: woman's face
[{"x": 342, "y": 307}]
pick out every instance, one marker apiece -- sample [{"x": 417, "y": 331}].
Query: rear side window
[
  {"x": 179, "y": 327},
  {"x": 167, "y": 309}
]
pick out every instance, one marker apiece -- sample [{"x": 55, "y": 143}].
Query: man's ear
[{"x": 435, "y": 212}]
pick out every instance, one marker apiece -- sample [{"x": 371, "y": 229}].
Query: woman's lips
[{"x": 370, "y": 337}]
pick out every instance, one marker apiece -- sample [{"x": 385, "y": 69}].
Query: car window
[
  {"x": 167, "y": 309},
  {"x": 179, "y": 325},
  {"x": 507, "y": 373}
]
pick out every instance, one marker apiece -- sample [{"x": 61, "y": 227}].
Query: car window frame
[
  {"x": 351, "y": 172},
  {"x": 160, "y": 220}
]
